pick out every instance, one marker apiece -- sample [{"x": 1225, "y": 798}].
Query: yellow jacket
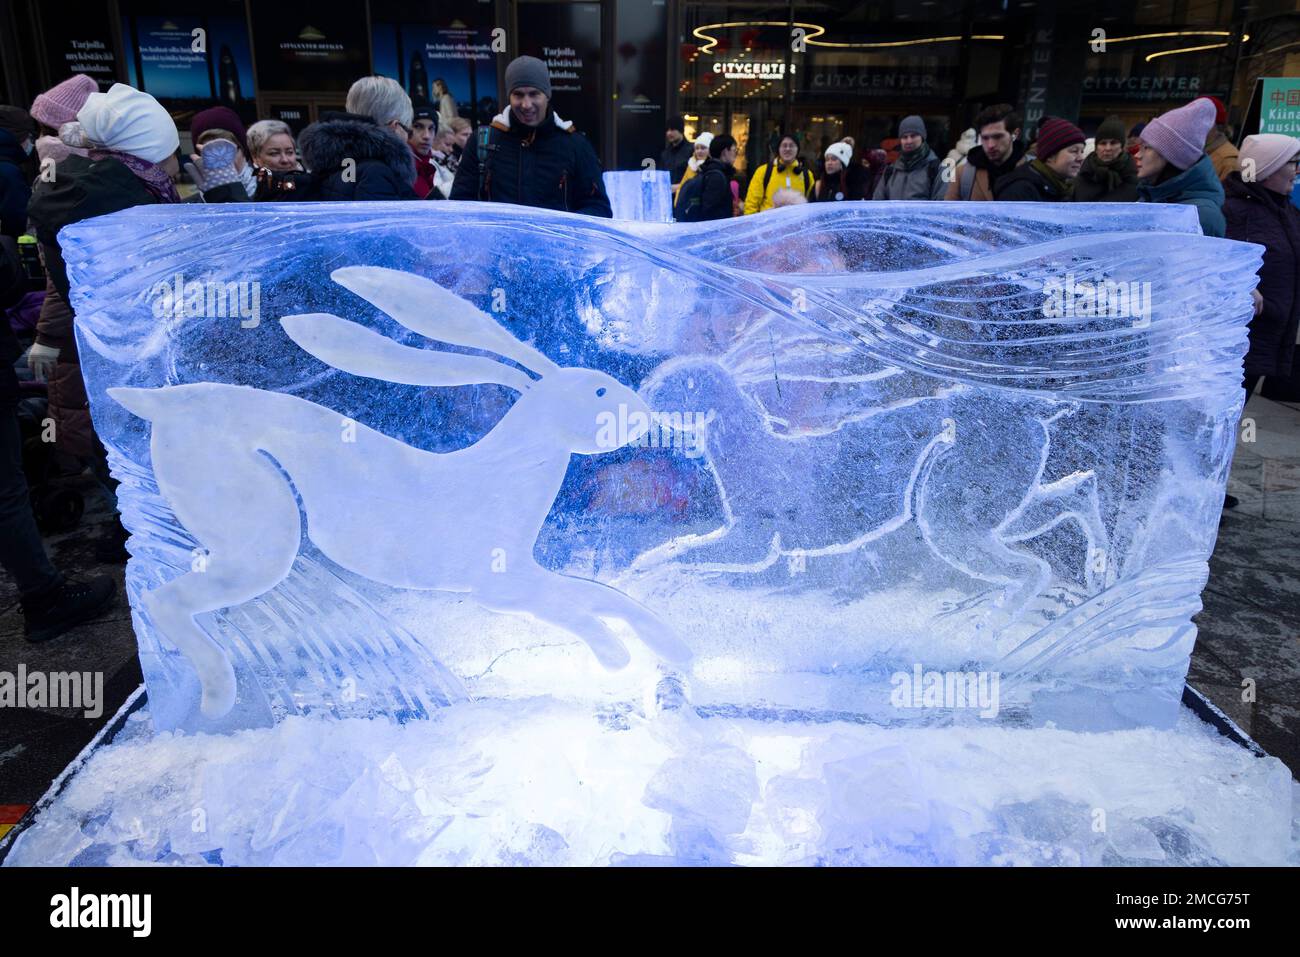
[
  {"x": 758, "y": 199},
  {"x": 690, "y": 171}
]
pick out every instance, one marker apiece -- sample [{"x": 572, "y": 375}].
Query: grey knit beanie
[
  {"x": 912, "y": 124},
  {"x": 528, "y": 71}
]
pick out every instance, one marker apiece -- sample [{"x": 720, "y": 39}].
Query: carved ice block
[
  {"x": 376, "y": 458},
  {"x": 645, "y": 195}
]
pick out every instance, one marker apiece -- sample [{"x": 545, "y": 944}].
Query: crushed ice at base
[{"x": 546, "y": 782}]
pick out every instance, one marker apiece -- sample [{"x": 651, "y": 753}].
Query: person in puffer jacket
[
  {"x": 362, "y": 154},
  {"x": 785, "y": 170},
  {"x": 1174, "y": 168},
  {"x": 1260, "y": 211},
  {"x": 130, "y": 141},
  {"x": 533, "y": 157},
  {"x": 918, "y": 172}
]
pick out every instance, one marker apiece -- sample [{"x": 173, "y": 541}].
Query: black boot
[{"x": 66, "y": 606}]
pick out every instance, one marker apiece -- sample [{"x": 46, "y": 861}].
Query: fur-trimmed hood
[
  {"x": 327, "y": 144},
  {"x": 502, "y": 120}
]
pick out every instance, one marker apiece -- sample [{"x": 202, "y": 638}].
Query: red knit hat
[
  {"x": 61, "y": 104},
  {"x": 1055, "y": 135},
  {"x": 1220, "y": 111},
  {"x": 218, "y": 118}
]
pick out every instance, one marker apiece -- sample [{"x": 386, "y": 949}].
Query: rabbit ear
[
  {"x": 354, "y": 348},
  {"x": 425, "y": 307}
]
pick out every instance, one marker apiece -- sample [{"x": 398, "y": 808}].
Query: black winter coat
[
  {"x": 715, "y": 189},
  {"x": 1259, "y": 215},
  {"x": 1092, "y": 185},
  {"x": 12, "y": 287},
  {"x": 1026, "y": 184},
  {"x": 384, "y": 167},
  {"x": 83, "y": 188},
  {"x": 549, "y": 166},
  {"x": 847, "y": 184},
  {"x": 675, "y": 158},
  {"x": 15, "y": 186}
]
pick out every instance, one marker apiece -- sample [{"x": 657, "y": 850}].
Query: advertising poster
[
  {"x": 566, "y": 36},
  {"x": 311, "y": 47},
  {"x": 79, "y": 39},
  {"x": 190, "y": 63},
  {"x": 447, "y": 63},
  {"x": 1279, "y": 109},
  {"x": 640, "y": 75}
]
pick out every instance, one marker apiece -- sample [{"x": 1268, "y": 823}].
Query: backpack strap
[
  {"x": 481, "y": 147},
  {"x": 967, "y": 184}
]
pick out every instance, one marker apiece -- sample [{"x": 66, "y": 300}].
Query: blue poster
[{"x": 189, "y": 63}]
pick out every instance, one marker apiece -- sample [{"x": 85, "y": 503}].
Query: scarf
[
  {"x": 151, "y": 175},
  {"x": 917, "y": 157},
  {"x": 425, "y": 172},
  {"x": 1063, "y": 186},
  {"x": 1110, "y": 175}
]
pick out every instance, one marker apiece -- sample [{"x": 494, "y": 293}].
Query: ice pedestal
[
  {"x": 547, "y": 782},
  {"x": 907, "y": 463}
]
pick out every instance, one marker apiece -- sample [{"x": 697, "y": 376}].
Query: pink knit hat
[
  {"x": 61, "y": 103},
  {"x": 1269, "y": 151},
  {"x": 1179, "y": 135}
]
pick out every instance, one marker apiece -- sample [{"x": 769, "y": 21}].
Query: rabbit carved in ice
[{"x": 228, "y": 460}]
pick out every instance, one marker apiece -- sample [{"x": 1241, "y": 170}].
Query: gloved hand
[
  {"x": 41, "y": 359},
  {"x": 216, "y": 164}
]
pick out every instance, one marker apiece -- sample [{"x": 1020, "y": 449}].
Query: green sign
[{"x": 1279, "y": 109}]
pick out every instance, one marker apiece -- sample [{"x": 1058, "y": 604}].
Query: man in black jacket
[
  {"x": 677, "y": 150},
  {"x": 533, "y": 158}
]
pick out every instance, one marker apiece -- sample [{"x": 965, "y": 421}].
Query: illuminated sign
[{"x": 753, "y": 70}]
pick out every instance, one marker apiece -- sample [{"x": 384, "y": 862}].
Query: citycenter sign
[{"x": 753, "y": 69}]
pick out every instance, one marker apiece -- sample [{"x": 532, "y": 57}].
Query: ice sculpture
[
  {"x": 791, "y": 463},
  {"x": 645, "y": 195}
]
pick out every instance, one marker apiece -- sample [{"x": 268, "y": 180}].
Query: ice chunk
[
  {"x": 640, "y": 194},
  {"x": 840, "y": 459}
]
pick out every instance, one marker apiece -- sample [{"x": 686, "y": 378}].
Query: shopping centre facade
[{"x": 826, "y": 69}]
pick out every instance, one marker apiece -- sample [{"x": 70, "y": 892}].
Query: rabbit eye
[{"x": 600, "y": 393}]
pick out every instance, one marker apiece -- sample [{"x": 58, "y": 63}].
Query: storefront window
[{"x": 835, "y": 70}]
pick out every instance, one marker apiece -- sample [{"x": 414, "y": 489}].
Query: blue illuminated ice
[
  {"x": 778, "y": 461},
  {"x": 645, "y": 195}
]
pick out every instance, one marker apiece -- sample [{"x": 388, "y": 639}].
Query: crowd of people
[{"x": 78, "y": 152}]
